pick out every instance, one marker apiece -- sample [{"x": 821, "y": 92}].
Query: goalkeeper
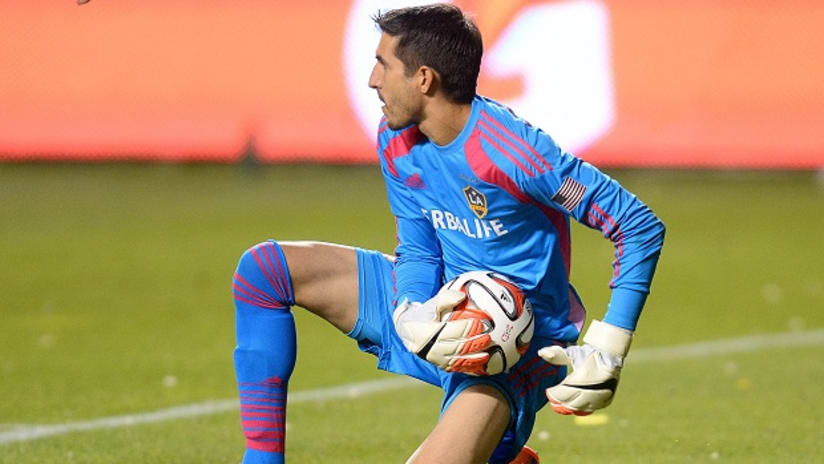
[{"x": 472, "y": 187}]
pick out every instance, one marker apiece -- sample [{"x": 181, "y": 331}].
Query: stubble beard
[{"x": 406, "y": 119}]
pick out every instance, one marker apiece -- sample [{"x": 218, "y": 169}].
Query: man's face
[{"x": 401, "y": 98}]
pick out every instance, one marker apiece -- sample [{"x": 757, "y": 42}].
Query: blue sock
[{"x": 266, "y": 348}]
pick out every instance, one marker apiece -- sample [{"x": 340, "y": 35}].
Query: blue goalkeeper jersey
[{"x": 499, "y": 197}]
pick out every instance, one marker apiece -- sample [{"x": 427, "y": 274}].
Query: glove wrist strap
[{"x": 609, "y": 338}]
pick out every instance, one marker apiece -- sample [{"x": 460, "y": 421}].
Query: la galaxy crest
[{"x": 476, "y": 200}]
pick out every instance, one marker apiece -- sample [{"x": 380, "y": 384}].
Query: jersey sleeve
[
  {"x": 580, "y": 190},
  {"x": 418, "y": 259}
]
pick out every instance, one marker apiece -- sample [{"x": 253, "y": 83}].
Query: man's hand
[
  {"x": 454, "y": 346},
  {"x": 596, "y": 367}
]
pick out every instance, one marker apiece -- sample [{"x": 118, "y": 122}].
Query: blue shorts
[{"x": 523, "y": 386}]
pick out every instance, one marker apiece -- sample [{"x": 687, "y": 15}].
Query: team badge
[{"x": 476, "y": 200}]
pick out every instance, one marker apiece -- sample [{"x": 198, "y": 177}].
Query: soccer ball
[{"x": 505, "y": 321}]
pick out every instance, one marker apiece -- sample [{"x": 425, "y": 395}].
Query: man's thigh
[
  {"x": 325, "y": 280},
  {"x": 469, "y": 429},
  {"x": 523, "y": 387}
]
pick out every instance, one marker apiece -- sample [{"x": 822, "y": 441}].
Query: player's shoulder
[
  {"x": 395, "y": 144},
  {"x": 522, "y": 147},
  {"x": 501, "y": 116}
]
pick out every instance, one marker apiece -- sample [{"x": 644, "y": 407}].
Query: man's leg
[
  {"x": 468, "y": 431},
  {"x": 269, "y": 279},
  {"x": 325, "y": 278}
]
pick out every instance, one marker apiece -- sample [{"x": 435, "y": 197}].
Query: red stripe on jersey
[
  {"x": 521, "y": 370},
  {"x": 506, "y": 131},
  {"x": 486, "y": 170},
  {"x": 492, "y": 142},
  {"x": 547, "y": 369},
  {"x": 613, "y": 234},
  {"x": 512, "y": 146},
  {"x": 527, "y": 379},
  {"x": 562, "y": 226},
  {"x": 399, "y": 146}
]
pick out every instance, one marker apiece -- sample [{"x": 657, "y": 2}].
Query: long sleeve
[
  {"x": 594, "y": 199},
  {"x": 418, "y": 258},
  {"x": 418, "y": 264}
]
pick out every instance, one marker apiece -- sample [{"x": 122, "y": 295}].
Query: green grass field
[{"x": 114, "y": 299}]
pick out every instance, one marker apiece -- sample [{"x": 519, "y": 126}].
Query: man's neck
[{"x": 443, "y": 121}]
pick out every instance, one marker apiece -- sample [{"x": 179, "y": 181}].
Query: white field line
[
  {"x": 352, "y": 390},
  {"x": 727, "y": 346},
  {"x": 359, "y": 389}
]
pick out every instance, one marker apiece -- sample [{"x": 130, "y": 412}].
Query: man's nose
[{"x": 374, "y": 81}]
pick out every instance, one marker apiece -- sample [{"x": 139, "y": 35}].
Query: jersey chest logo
[{"x": 476, "y": 200}]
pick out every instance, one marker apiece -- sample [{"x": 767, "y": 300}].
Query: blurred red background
[{"x": 696, "y": 84}]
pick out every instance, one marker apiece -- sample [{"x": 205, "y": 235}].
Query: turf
[{"x": 115, "y": 299}]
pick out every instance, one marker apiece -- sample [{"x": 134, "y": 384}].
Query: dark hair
[{"x": 439, "y": 36}]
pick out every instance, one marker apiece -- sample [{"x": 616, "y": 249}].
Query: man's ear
[{"x": 428, "y": 80}]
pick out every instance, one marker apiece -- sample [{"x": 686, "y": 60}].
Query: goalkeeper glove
[
  {"x": 454, "y": 346},
  {"x": 596, "y": 367}
]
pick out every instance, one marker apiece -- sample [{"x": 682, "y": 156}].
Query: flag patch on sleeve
[{"x": 570, "y": 194}]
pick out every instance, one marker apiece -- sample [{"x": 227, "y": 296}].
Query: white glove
[
  {"x": 596, "y": 367},
  {"x": 454, "y": 346}
]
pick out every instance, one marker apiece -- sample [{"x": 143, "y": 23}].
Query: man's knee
[
  {"x": 320, "y": 277},
  {"x": 262, "y": 277},
  {"x": 325, "y": 279},
  {"x": 316, "y": 262}
]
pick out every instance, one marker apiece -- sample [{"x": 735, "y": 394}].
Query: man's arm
[
  {"x": 419, "y": 271},
  {"x": 597, "y": 201},
  {"x": 594, "y": 199},
  {"x": 418, "y": 314},
  {"x": 418, "y": 263}
]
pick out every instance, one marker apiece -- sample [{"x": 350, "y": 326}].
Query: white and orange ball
[{"x": 504, "y": 321}]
